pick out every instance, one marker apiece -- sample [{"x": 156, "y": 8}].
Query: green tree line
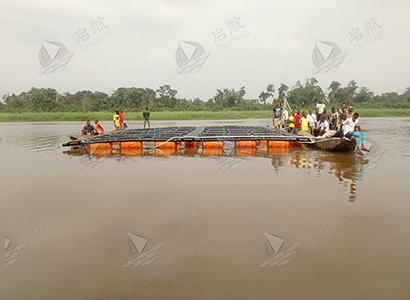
[{"x": 299, "y": 96}]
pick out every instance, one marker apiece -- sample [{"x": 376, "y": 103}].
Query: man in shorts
[
  {"x": 146, "y": 116},
  {"x": 277, "y": 116}
]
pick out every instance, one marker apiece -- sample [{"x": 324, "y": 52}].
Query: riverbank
[{"x": 173, "y": 115}]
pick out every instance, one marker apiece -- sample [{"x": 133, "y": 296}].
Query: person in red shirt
[
  {"x": 121, "y": 114},
  {"x": 297, "y": 118}
]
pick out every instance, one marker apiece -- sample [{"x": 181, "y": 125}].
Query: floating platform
[
  {"x": 190, "y": 134},
  {"x": 207, "y": 137}
]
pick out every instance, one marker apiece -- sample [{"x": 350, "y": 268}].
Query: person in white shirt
[
  {"x": 349, "y": 127},
  {"x": 322, "y": 128},
  {"x": 312, "y": 121},
  {"x": 285, "y": 118},
  {"x": 320, "y": 107}
]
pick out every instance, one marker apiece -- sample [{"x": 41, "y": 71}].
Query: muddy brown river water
[{"x": 270, "y": 224}]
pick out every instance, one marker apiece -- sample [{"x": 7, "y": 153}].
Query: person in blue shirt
[{"x": 277, "y": 116}]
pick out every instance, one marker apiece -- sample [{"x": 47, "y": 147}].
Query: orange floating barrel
[
  {"x": 295, "y": 144},
  {"x": 164, "y": 144},
  {"x": 278, "y": 144},
  {"x": 100, "y": 145},
  {"x": 213, "y": 144},
  {"x": 165, "y": 151},
  {"x": 213, "y": 151},
  {"x": 191, "y": 144},
  {"x": 131, "y": 151},
  {"x": 251, "y": 151},
  {"x": 100, "y": 151},
  {"x": 131, "y": 144},
  {"x": 263, "y": 143},
  {"x": 246, "y": 144}
]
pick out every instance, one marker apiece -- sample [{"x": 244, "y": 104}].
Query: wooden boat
[{"x": 337, "y": 144}]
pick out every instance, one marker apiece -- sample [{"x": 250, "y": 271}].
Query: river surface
[{"x": 262, "y": 224}]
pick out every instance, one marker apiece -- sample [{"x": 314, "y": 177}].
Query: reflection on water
[{"x": 346, "y": 167}]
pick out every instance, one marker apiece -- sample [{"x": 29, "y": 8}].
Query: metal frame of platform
[{"x": 192, "y": 134}]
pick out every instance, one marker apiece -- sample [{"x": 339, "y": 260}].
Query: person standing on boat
[
  {"x": 334, "y": 119},
  {"x": 344, "y": 108},
  {"x": 312, "y": 121},
  {"x": 116, "y": 119},
  {"x": 291, "y": 122},
  {"x": 326, "y": 114},
  {"x": 146, "y": 116},
  {"x": 349, "y": 127},
  {"x": 297, "y": 118},
  {"x": 304, "y": 122},
  {"x": 285, "y": 118},
  {"x": 98, "y": 127},
  {"x": 350, "y": 112},
  {"x": 320, "y": 107},
  {"x": 121, "y": 115},
  {"x": 88, "y": 129},
  {"x": 277, "y": 116}
]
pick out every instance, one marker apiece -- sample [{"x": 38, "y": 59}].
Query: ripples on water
[{"x": 347, "y": 213}]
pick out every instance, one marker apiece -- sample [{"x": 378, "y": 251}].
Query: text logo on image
[
  {"x": 373, "y": 32},
  {"x": 327, "y": 57},
  {"x": 236, "y": 33},
  {"x": 190, "y": 57},
  {"x": 141, "y": 250},
  {"x": 278, "y": 250},
  {"x": 100, "y": 32},
  {"x": 12, "y": 249},
  {"x": 53, "y": 57}
]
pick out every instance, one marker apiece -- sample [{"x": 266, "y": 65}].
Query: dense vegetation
[{"x": 165, "y": 99}]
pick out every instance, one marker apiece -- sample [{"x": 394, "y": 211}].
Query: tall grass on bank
[{"x": 173, "y": 115}]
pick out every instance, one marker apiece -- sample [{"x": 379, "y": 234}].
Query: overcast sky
[{"x": 274, "y": 44}]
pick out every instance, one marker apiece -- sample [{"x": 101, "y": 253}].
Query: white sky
[{"x": 145, "y": 34}]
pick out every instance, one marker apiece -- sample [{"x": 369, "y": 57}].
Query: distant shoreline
[{"x": 173, "y": 115}]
